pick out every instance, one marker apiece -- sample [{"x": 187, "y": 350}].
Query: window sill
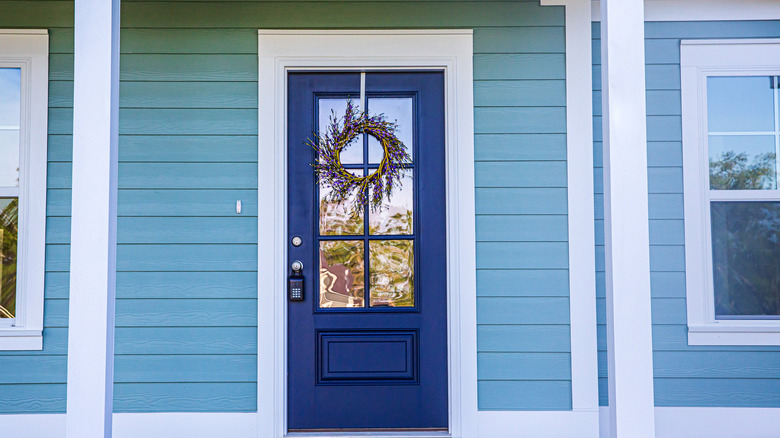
[
  {"x": 20, "y": 339},
  {"x": 743, "y": 334}
]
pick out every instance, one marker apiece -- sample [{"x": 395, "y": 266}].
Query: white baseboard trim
[
  {"x": 709, "y": 422},
  {"x": 147, "y": 425},
  {"x": 538, "y": 424}
]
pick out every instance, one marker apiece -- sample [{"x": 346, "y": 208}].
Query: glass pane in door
[
  {"x": 10, "y": 125},
  {"x": 391, "y": 273},
  {"x": 341, "y": 273}
]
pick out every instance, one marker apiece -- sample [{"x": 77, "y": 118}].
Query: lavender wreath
[{"x": 371, "y": 189}]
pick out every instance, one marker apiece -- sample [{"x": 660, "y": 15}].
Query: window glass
[
  {"x": 9, "y": 225},
  {"x": 10, "y": 120},
  {"x": 334, "y": 109},
  {"x": 341, "y": 273},
  {"x": 746, "y": 259},
  {"x": 395, "y": 110},
  {"x": 395, "y": 216},
  {"x": 740, "y": 104},
  {"x": 742, "y": 162},
  {"x": 392, "y": 273}
]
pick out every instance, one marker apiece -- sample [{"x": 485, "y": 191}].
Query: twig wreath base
[{"x": 371, "y": 189}]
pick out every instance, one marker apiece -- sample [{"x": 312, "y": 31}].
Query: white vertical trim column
[
  {"x": 629, "y": 326},
  {"x": 93, "y": 223}
]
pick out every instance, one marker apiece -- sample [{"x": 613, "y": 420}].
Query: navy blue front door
[{"x": 367, "y": 347}]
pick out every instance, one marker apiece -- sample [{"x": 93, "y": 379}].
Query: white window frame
[
  {"x": 700, "y": 59},
  {"x": 29, "y": 50}
]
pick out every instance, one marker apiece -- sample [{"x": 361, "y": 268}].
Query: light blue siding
[{"x": 685, "y": 375}]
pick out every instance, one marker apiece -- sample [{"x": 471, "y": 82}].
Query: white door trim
[{"x": 447, "y": 50}]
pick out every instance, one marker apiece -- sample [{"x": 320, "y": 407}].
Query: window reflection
[
  {"x": 10, "y": 120},
  {"x": 392, "y": 273},
  {"x": 746, "y": 259},
  {"x": 396, "y": 213},
  {"x": 398, "y": 111},
  {"x": 328, "y": 108},
  {"x": 9, "y": 223},
  {"x": 341, "y": 274},
  {"x": 741, "y": 104},
  {"x": 339, "y": 218},
  {"x": 742, "y": 162}
]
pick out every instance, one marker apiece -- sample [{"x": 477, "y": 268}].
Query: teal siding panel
[
  {"x": 526, "y": 228},
  {"x": 184, "y": 368},
  {"x": 520, "y": 120},
  {"x": 187, "y": 121},
  {"x": 186, "y": 313},
  {"x": 519, "y": 147},
  {"x": 522, "y": 255},
  {"x": 188, "y": 176},
  {"x": 664, "y": 153},
  {"x": 519, "y": 66},
  {"x": 523, "y": 366},
  {"x": 33, "y": 398},
  {"x": 189, "y": 41},
  {"x": 521, "y": 200},
  {"x": 61, "y": 94},
  {"x": 522, "y": 310},
  {"x": 56, "y": 285},
  {"x": 60, "y": 147},
  {"x": 520, "y": 174},
  {"x": 206, "y": 202},
  {"x": 526, "y": 338},
  {"x": 667, "y": 232},
  {"x": 526, "y": 282},
  {"x": 520, "y": 93},
  {"x": 38, "y": 14},
  {"x": 717, "y": 364},
  {"x": 717, "y": 392},
  {"x": 532, "y": 395},
  {"x": 158, "y": 230},
  {"x": 519, "y": 40},
  {"x": 189, "y": 68},
  {"x": 58, "y": 202},
  {"x": 37, "y": 369},
  {"x": 185, "y": 397},
  {"x": 186, "y": 340},
  {"x": 55, "y": 313},
  {"x": 57, "y": 258},
  {"x": 206, "y": 95},
  {"x": 55, "y": 342},
  {"x": 187, "y": 148},
  {"x": 182, "y": 285},
  {"x": 186, "y": 257}
]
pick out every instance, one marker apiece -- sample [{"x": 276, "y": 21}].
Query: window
[
  {"x": 731, "y": 147},
  {"x": 23, "y": 135}
]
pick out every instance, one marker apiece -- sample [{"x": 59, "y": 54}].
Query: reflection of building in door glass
[
  {"x": 341, "y": 274},
  {"x": 392, "y": 273}
]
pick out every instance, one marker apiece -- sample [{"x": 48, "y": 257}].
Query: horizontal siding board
[
  {"x": 55, "y": 313},
  {"x": 525, "y": 395},
  {"x": 60, "y": 148},
  {"x": 519, "y": 66},
  {"x": 664, "y": 310},
  {"x": 159, "y": 230},
  {"x": 664, "y": 153},
  {"x": 186, "y": 313},
  {"x": 667, "y": 258},
  {"x": 537, "y": 93},
  {"x": 57, "y": 258},
  {"x": 667, "y": 232},
  {"x": 522, "y": 310},
  {"x": 521, "y": 200},
  {"x": 185, "y": 368},
  {"x": 517, "y": 228},
  {"x": 716, "y": 365},
  {"x": 185, "y": 397},
  {"x": 188, "y": 95},
  {"x": 523, "y": 366},
  {"x": 520, "y": 147},
  {"x": 61, "y": 94},
  {"x": 519, "y": 120},
  {"x": 33, "y": 399},
  {"x": 712, "y": 29},
  {"x": 520, "y": 174},
  {"x": 535, "y": 39},
  {"x": 522, "y": 282},
  {"x": 526, "y": 338},
  {"x": 55, "y": 342},
  {"x": 667, "y": 284},
  {"x": 338, "y": 15},
  {"x": 189, "y": 41},
  {"x": 674, "y": 337},
  {"x": 56, "y": 285},
  {"x": 32, "y": 369},
  {"x": 522, "y": 255},
  {"x": 188, "y": 121},
  {"x": 187, "y": 257},
  {"x": 186, "y": 340},
  {"x": 38, "y": 14},
  {"x": 206, "y": 202},
  {"x": 732, "y": 393},
  {"x": 187, "y": 175},
  {"x": 665, "y": 180},
  {"x": 183, "y": 285},
  {"x": 188, "y": 68},
  {"x": 188, "y": 148}
]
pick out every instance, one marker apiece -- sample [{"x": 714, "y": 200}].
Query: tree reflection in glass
[
  {"x": 746, "y": 259},
  {"x": 742, "y": 162},
  {"x": 341, "y": 273},
  {"x": 391, "y": 273},
  {"x": 9, "y": 221},
  {"x": 339, "y": 218},
  {"x": 396, "y": 214}
]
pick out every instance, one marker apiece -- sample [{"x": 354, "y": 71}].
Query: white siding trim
[
  {"x": 93, "y": 225},
  {"x": 626, "y": 223},
  {"x": 449, "y": 50},
  {"x": 29, "y": 50},
  {"x": 704, "y": 10}
]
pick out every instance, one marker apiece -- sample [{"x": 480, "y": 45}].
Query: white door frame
[{"x": 447, "y": 50}]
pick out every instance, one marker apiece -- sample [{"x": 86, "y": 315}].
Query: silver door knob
[{"x": 297, "y": 266}]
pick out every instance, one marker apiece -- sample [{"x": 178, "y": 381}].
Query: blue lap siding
[{"x": 684, "y": 375}]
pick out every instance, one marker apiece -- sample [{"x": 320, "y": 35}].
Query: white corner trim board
[
  {"x": 704, "y": 10},
  {"x": 28, "y": 50},
  {"x": 447, "y": 50}
]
